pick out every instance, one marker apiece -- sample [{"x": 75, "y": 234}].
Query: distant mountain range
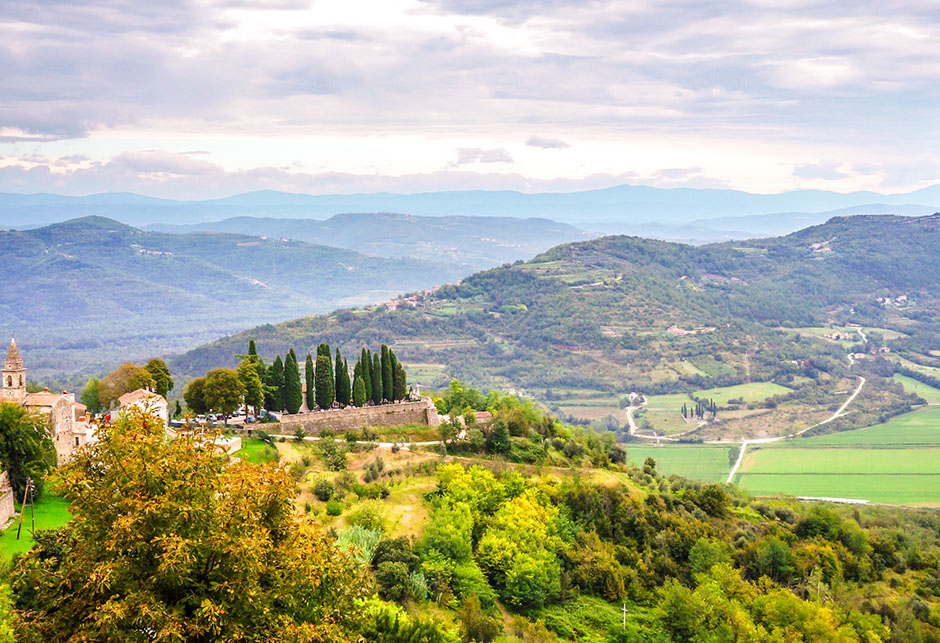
[
  {"x": 676, "y": 213},
  {"x": 477, "y": 242}
]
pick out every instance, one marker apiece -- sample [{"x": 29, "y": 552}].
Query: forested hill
[
  {"x": 620, "y": 313},
  {"x": 93, "y": 291}
]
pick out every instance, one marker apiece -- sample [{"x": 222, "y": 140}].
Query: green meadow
[{"x": 706, "y": 463}]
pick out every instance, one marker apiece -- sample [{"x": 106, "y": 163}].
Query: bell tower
[{"x": 14, "y": 376}]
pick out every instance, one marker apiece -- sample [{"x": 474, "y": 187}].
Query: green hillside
[
  {"x": 596, "y": 320},
  {"x": 87, "y": 293}
]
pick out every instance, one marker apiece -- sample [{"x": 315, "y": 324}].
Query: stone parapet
[{"x": 422, "y": 411}]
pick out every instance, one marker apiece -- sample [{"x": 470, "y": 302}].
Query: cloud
[
  {"x": 826, "y": 170},
  {"x": 467, "y": 155},
  {"x": 546, "y": 143},
  {"x": 802, "y": 81}
]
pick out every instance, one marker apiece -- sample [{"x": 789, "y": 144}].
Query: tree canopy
[{"x": 171, "y": 542}]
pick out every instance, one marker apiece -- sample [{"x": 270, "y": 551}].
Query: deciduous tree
[
  {"x": 162, "y": 379},
  {"x": 26, "y": 450},
  {"x": 135, "y": 564}
]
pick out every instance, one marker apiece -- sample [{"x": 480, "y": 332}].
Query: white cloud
[
  {"x": 468, "y": 155},
  {"x": 792, "y": 82},
  {"x": 546, "y": 143}
]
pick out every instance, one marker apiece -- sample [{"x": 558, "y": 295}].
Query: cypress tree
[
  {"x": 252, "y": 350},
  {"x": 274, "y": 395},
  {"x": 310, "y": 397},
  {"x": 359, "y": 391},
  {"x": 376, "y": 379},
  {"x": 365, "y": 369},
  {"x": 324, "y": 382},
  {"x": 323, "y": 349},
  {"x": 343, "y": 392},
  {"x": 393, "y": 365},
  {"x": 387, "y": 383},
  {"x": 293, "y": 395},
  {"x": 401, "y": 382}
]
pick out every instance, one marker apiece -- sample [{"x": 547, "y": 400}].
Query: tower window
[{"x": 9, "y": 381}]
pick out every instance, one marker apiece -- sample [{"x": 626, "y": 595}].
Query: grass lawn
[
  {"x": 910, "y": 385},
  {"x": 256, "y": 451},
  {"x": 51, "y": 511},
  {"x": 705, "y": 463},
  {"x": 754, "y": 392},
  {"x": 589, "y": 412}
]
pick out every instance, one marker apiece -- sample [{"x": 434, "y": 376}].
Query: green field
[
  {"x": 910, "y": 385},
  {"x": 754, "y": 392},
  {"x": 878, "y": 488},
  {"x": 706, "y": 463},
  {"x": 918, "y": 428},
  {"x": 256, "y": 451},
  {"x": 897, "y": 462},
  {"x": 51, "y": 512}
]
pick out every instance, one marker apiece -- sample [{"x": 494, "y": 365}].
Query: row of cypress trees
[{"x": 377, "y": 378}]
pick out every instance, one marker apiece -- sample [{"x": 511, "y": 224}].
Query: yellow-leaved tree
[{"x": 172, "y": 541}]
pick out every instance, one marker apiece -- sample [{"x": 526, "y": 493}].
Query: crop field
[
  {"x": 897, "y": 462},
  {"x": 910, "y": 385},
  {"x": 754, "y": 392},
  {"x": 918, "y": 428},
  {"x": 590, "y": 412},
  {"x": 705, "y": 463}
]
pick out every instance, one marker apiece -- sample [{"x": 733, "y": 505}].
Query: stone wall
[
  {"x": 6, "y": 499},
  {"x": 421, "y": 412}
]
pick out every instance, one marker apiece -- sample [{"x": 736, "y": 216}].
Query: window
[
  {"x": 76, "y": 441},
  {"x": 9, "y": 381}
]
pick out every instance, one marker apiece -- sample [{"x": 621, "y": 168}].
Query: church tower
[{"x": 14, "y": 376}]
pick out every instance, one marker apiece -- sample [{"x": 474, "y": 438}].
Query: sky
[{"x": 208, "y": 98}]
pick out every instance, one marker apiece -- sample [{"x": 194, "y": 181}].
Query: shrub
[
  {"x": 323, "y": 489},
  {"x": 419, "y": 586},
  {"x": 369, "y": 516},
  {"x": 393, "y": 580},
  {"x": 363, "y": 541},
  {"x": 333, "y": 508},
  {"x": 475, "y": 624}
]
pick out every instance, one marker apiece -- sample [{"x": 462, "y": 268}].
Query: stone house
[
  {"x": 146, "y": 401},
  {"x": 65, "y": 418}
]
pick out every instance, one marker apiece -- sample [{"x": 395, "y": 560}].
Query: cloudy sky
[{"x": 208, "y": 98}]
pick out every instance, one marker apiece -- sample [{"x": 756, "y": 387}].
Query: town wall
[{"x": 351, "y": 419}]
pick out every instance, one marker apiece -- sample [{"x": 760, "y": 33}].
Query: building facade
[{"x": 65, "y": 417}]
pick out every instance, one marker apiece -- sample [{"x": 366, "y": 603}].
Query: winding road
[{"x": 744, "y": 443}]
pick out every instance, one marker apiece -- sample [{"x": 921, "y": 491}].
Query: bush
[
  {"x": 333, "y": 508},
  {"x": 369, "y": 516},
  {"x": 419, "y": 586},
  {"x": 323, "y": 489},
  {"x": 475, "y": 624},
  {"x": 394, "y": 581},
  {"x": 363, "y": 541},
  {"x": 397, "y": 550}
]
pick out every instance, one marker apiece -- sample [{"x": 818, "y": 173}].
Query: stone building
[
  {"x": 146, "y": 401},
  {"x": 65, "y": 417}
]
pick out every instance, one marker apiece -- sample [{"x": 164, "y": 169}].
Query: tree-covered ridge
[
  {"x": 80, "y": 291},
  {"x": 622, "y": 314}
]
